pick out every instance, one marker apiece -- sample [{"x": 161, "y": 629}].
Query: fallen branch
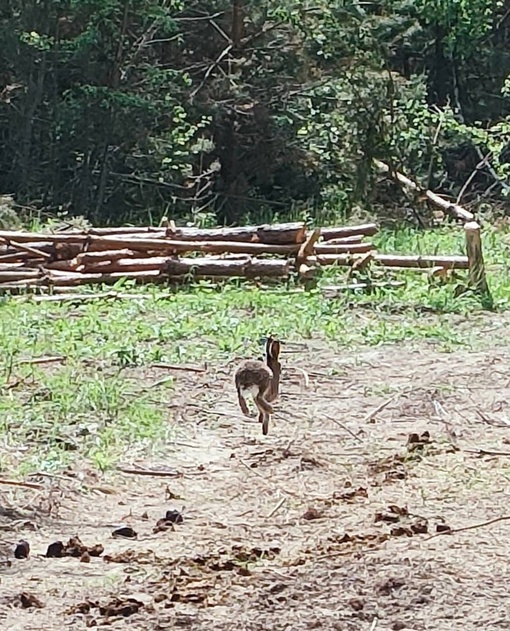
[
  {"x": 27, "y": 485},
  {"x": 333, "y": 291},
  {"x": 346, "y": 429},
  {"x": 41, "y": 360},
  {"x": 276, "y": 508},
  {"x": 472, "y": 527},
  {"x": 160, "y": 473},
  {"x": 453, "y": 209},
  {"x": 372, "y": 415},
  {"x": 179, "y": 367},
  {"x": 73, "y": 297},
  {"x": 487, "y": 452}
]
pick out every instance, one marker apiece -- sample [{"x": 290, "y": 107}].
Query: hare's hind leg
[
  {"x": 263, "y": 405},
  {"x": 242, "y": 402},
  {"x": 265, "y": 411},
  {"x": 265, "y": 423}
]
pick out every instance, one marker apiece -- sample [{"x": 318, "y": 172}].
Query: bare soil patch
[{"x": 335, "y": 520}]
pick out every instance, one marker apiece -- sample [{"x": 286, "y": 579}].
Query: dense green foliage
[{"x": 236, "y": 109}]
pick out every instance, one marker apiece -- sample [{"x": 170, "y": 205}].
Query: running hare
[{"x": 262, "y": 381}]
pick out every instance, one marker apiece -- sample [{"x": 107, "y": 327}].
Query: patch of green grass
[{"x": 97, "y": 404}]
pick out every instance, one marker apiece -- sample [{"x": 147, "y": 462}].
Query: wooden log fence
[{"x": 63, "y": 260}]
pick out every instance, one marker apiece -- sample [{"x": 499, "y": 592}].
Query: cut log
[
  {"x": 90, "y": 258},
  {"x": 206, "y": 266},
  {"x": 28, "y": 237},
  {"x": 285, "y": 233},
  {"x": 355, "y": 238},
  {"x": 13, "y": 276},
  {"x": 170, "y": 269},
  {"x": 13, "y": 267},
  {"x": 453, "y": 209},
  {"x": 54, "y": 279},
  {"x": 390, "y": 260},
  {"x": 172, "y": 246},
  {"x": 354, "y": 248},
  {"x": 19, "y": 257},
  {"x": 278, "y": 234},
  {"x": 368, "y": 229},
  {"x": 477, "y": 278},
  {"x": 126, "y": 265},
  {"x": 247, "y": 268},
  {"x": 127, "y": 230}
]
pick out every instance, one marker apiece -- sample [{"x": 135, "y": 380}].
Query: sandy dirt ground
[{"x": 364, "y": 509}]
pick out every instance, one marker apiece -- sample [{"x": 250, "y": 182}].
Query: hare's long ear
[
  {"x": 268, "y": 343},
  {"x": 274, "y": 349},
  {"x": 274, "y": 364}
]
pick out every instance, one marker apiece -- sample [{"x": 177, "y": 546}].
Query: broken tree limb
[
  {"x": 390, "y": 260},
  {"x": 477, "y": 278},
  {"x": 453, "y": 209}
]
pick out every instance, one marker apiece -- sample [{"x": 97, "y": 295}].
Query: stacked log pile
[{"x": 104, "y": 255}]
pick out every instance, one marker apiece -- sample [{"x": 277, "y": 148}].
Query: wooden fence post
[{"x": 477, "y": 278}]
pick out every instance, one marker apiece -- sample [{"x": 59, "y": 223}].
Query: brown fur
[{"x": 266, "y": 376}]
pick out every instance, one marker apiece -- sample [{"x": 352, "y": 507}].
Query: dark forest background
[{"x": 225, "y": 111}]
